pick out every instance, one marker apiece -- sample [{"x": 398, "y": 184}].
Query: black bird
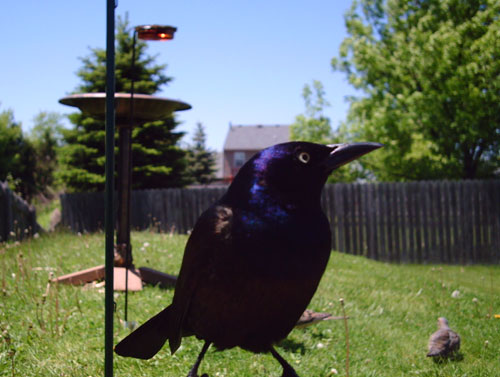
[{"x": 254, "y": 259}]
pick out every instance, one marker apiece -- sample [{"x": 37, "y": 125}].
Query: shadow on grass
[
  {"x": 292, "y": 345},
  {"x": 319, "y": 335},
  {"x": 456, "y": 357}
]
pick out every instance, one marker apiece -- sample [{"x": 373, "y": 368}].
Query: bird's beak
[{"x": 341, "y": 154}]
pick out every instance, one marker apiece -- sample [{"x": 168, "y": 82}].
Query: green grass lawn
[
  {"x": 51, "y": 330},
  {"x": 44, "y": 211}
]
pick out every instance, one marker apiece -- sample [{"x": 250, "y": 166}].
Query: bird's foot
[
  {"x": 194, "y": 370},
  {"x": 289, "y": 372}
]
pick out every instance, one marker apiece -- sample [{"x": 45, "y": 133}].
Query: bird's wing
[
  {"x": 439, "y": 343},
  {"x": 211, "y": 233}
]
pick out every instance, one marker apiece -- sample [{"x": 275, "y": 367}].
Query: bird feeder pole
[{"x": 109, "y": 209}]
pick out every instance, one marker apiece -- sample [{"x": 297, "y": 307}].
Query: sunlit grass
[
  {"x": 57, "y": 330},
  {"x": 44, "y": 211}
]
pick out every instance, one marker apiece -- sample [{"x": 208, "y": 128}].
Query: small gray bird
[
  {"x": 310, "y": 317},
  {"x": 444, "y": 341}
]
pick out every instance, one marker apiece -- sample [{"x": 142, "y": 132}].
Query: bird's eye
[{"x": 304, "y": 157}]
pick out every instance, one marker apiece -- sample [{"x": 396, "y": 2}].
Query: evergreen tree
[
  {"x": 82, "y": 156},
  {"x": 157, "y": 159},
  {"x": 201, "y": 161}
]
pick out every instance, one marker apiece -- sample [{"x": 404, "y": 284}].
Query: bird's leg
[
  {"x": 288, "y": 371},
  {"x": 194, "y": 370}
]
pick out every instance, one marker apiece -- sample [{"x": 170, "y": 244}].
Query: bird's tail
[{"x": 148, "y": 339}]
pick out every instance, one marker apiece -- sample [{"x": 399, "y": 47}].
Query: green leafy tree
[
  {"x": 46, "y": 139},
  {"x": 17, "y": 157},
  {"x": 429, "y": 74},
  {"x": 157, "y": 158},
  {"x": 201, "y": 161},
  {"x": 315, "y": 127}
]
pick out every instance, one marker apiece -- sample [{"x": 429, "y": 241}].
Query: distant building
[
  {"x": 219, "y": 167},
  {"x": 242, "y": 142}
]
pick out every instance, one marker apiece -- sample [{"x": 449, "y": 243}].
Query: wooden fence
[
  {"x": 420, "y": 222},
  {"x": 17, "y": 218},
  {"x": 163, "y": 210}
]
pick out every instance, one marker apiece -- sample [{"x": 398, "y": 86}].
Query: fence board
[
  {"x": 409, "y": 223},
  {"x": 386, "y": 232},
  {"x": 483, "y": 216},
  {"x": 347, "y": 218},
  {"x": 476, "y": 229},
  {"x": 469, "y": 219},
  {"x": 493, "y": 190},
  {"x": 395, "y": 222},
  {"x": 437, "y": 220},
  {"x": 363, "y": 217},
  {"x": 352, "y": 207},
  {"x": 381, "y": 219},
  {"x": 432, "y": 226},
  {"x": 424, "y": 216},
  {"x": 403, "y": 254},
  {"x": 360, "y": 223},
  {"x": 339, "y": 205},
  {"x": 417, "y": 206},
  {"x": 374, "y": 198},
  {"x": 461, "y": 224}
]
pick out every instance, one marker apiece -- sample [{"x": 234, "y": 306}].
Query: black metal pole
[
  {"x": 124, "y": 191},
  {"x": 126, "y": 134},
  {"x": 110, "y": 169}
]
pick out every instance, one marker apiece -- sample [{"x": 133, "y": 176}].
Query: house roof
[{"x": 251, "y": 138}]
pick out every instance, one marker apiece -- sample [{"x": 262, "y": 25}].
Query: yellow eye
[{"x": 304, "y": 157}]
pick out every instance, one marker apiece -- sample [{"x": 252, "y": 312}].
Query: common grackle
[
  {"x": 254, "y": 259},
  {"x": 444, "y": 341}
]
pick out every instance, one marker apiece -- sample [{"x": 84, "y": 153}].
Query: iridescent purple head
[{"x": 294, "y": 173}]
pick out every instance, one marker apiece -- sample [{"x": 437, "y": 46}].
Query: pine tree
[
  {"x": 201, "y": 161},
  {"x": 157, "y": 159}
]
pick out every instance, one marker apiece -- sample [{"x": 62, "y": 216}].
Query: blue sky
[{"x": 233, "y": 61}]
